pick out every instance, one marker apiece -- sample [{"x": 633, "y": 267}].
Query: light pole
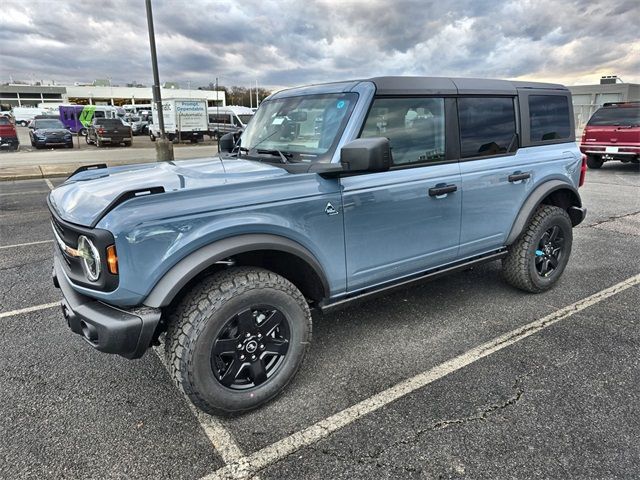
[{"x": 164, "y": 148}]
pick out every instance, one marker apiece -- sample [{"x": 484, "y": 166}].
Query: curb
[{"x": 31, "y": 172}]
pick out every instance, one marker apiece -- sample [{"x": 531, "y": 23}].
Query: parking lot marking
[
  {"x": 49, "y": 184},
  {"x": 25, "y": 244},
  {"x": 220, "y": 437},
  {"x": 29, "y": 309},
  {"x": 252, "y": 464}
]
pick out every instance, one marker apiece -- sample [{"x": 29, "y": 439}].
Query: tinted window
[
  {"x": 4, "y": 121},
  {"x": 49, "y": 123},
  {"x": 109, "y": 122},
  {"x": 549, "y": 117},
  {"x": 623, "y": 116},
  {"x": 487, "y": 126},
  {"x": 414, "y": 126}
]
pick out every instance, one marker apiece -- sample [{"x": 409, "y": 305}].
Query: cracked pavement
[{"x": 562, "y": 403}]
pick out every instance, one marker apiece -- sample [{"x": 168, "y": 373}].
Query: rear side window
[
  {"x": 108, "y": 122},
  {"x": 487, "y": 126},
  {"x": 414, "y": 127},
  {"x": 4, "y": 121},
  {"x": 549, "y": 117},
  {"x": 613, "y": 116}
]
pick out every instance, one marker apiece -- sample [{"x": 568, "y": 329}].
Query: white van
[
  {"x": 228, "y": 119},
  {"x": 23, "y": 115}
]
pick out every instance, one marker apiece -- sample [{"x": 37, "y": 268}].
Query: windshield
[
  {"x": 308, "y": 127},
  {"x": 623, "y": 116},
  {"x": 52, "y": 123}
]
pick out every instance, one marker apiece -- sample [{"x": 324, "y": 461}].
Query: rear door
[
  {"x": 491, "y": 196},
  {"x": 497, "y": 176},
  {"x": 405, "y": 220}
]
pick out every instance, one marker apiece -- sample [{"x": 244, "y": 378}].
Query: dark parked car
[
  {"x": 613, "y": 133},
  {"x": 47, "y": 131},
  {"x": 8, "y": 135},
  {"x": 109, "y": 130}
]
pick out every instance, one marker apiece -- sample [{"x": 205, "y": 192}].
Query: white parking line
[
  {"x": 219, "y": 436},
  {"x": 29, "y": 309},
  {"x": 252, "y": 464},
  {"x": 49, "y": 184},
  {"x": 25, "y": 244}
]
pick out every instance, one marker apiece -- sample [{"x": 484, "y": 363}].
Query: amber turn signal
[{"x": 112, "y": 259}]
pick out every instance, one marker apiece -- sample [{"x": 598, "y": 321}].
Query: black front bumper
[{"x": 126, "y": 332}]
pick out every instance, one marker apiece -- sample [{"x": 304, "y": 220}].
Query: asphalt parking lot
[{"x": 498, "y": 383}]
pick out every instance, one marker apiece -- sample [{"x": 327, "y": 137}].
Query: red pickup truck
[
  {"x": 8, "y": 135},
  {"x": 613, "y": 133}
]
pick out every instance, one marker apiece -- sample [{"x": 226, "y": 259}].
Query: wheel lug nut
[
  {"x": 241, "y": 357},
  {"x": 253, "y": 357},
  {"x": 261, "y": 347},
  {"x": 239, "y": 346},
  {"x": 248, "y": 335},
  {"x": 259, "y": 335}
]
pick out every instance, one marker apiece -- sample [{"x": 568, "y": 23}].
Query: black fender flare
[
  {"x": 535, "y": 199},
  {"x": 196, "y": 262}
]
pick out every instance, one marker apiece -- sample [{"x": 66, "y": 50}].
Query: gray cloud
[{"x": 284, "y": 43}]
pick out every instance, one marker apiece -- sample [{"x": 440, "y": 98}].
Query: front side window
[
  {"x": 549, "y": 117},
  {"x": 307, "y": 127},
  {"x": 487, "y": 126},
  {"x": 415, "y": 128}
]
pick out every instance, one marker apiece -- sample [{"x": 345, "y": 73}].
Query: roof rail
[{"x": 613, "y": 104}]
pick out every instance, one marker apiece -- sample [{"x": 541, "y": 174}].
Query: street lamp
[{"x": 164, "y": 148}]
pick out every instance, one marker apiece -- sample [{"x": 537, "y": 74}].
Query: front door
[{"x": 405, "y": 220}]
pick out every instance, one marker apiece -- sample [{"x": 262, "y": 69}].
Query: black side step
[
  {"x": 123, "y": 197},
  {"x": 84, "y": 168},
  {"x": 420, "y": 278}
]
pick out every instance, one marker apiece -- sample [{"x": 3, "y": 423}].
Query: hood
[
  {"x": 49, "y": 131},
  {"x": 86, "y": 196}
]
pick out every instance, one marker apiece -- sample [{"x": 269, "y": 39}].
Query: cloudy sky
[{"x": 285, "y": 43}]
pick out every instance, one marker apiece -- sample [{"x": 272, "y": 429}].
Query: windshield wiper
[{"x": 283, "y": 156}]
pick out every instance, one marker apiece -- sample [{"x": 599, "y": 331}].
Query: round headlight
[{"x": 90, "y": 258}]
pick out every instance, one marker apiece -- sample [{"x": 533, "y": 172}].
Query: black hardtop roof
[
  {"x": 400, "y": 85},
  {"x": 452, "y": 86}
]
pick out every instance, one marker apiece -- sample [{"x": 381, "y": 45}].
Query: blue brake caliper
[{"x": 539, "y": 253}]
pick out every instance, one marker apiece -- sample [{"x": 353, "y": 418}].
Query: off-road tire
[
  {"x": 194, "y": 323},
  {"x": 518, "y": 267},
  {"x": 594, "y": 162}
]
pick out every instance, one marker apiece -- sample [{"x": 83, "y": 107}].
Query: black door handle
[
  {"x": 516, "y": 177},
  {"x": 437, "y": 191}
]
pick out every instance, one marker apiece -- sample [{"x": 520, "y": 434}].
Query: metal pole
[
  {"x": 256, "y": 93},
  {"x": 157, "y": 98},
  {"x": 164, "y": 148},
  {"x": 217, "y": 113}
]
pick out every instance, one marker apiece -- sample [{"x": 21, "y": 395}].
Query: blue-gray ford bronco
[{"x": 332, "y": 194}]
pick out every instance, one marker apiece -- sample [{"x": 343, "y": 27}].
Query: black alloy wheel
[
  {"x": 549, "y": 251},
  {"x": 251, "y": 347}
]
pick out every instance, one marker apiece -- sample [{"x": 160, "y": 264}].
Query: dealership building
[
  {"x": 588, "y": 98},
  {"x": 34, "y": 95}
]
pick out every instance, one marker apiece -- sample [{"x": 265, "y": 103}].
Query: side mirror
[
  {"x": 227, "y": 142},
  {"x": 366, "y": 155}
]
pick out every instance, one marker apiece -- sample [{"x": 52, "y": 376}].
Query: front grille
[{"x": 69, "y": 234}]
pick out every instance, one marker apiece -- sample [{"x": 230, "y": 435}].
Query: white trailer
[
  {"x": 184, "y": 119},
  {"x": 23, "y": 115}
]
